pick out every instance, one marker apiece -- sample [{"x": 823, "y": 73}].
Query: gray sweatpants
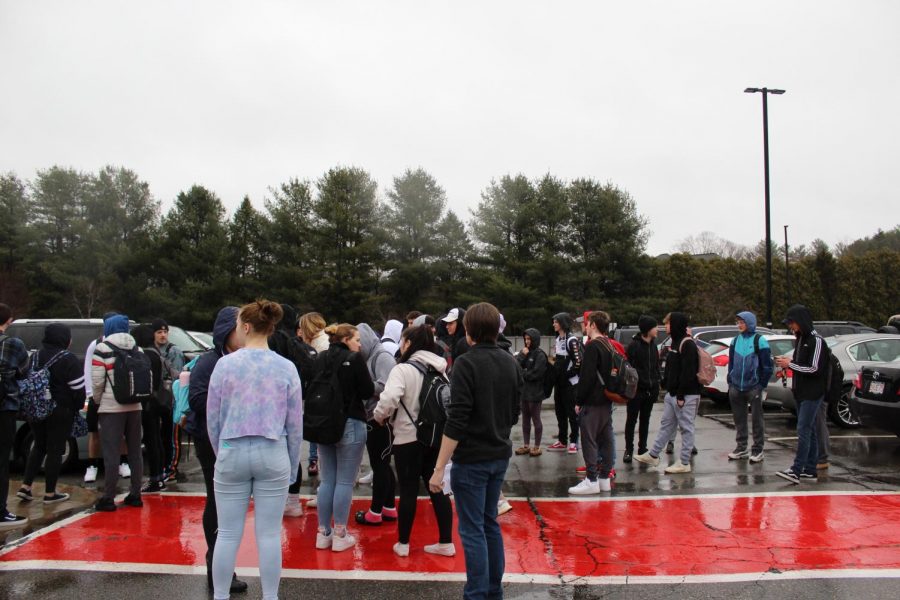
[
  {"x": 822, "y": 436},
  {"x": 112, "y": 427},
  {"x": 739, "y": 401},
  {"x": 597, "y": 439},
  {"x": 673, "y": 418}
]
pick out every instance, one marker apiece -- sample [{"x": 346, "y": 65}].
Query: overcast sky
[{"x": 240, "y": 96}]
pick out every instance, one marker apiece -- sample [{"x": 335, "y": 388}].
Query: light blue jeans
[
  {"x": 338, "y": 467},
  {"x": 261, "y": 468}
]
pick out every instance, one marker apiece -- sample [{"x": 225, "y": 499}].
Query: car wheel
[{"x": 841, "y": 413}]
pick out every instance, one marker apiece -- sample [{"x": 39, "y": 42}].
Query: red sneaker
[
  {"x": 581, "y": 470},
  {"x": 556, "y": 446}
]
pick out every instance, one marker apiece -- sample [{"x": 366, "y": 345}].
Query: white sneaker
[
  {"x": 90, "y": 476},
  {"x": 586, "y": 488},
  {"x": 442, "y": 549},
  {"x": 572, "y": 449},
  {"x": 367, "y": 478},
  {"x": 503, "y": 507},
  {"x": 293, "y": 508},
  {"x": 647, "y": 459},
  {"x": 604, "y": 485},
  {"x": 124, "y": 471},
  {"x": 738, "y": 454},
  {"x": 757, "y": 458},
  {"x": 401, "y": 549},
  {"x": 678, "y": 468},
  {"x": 323, "y": 542},
  {"x": 341, "y": 543}
]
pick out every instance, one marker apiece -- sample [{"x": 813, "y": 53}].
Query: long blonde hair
[{"x": 311, "y": 324}]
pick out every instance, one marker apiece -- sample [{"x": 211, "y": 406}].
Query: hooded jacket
[
  {"x": 285, "y": 342},
  {"x": 356, "y": 384},
  {"x": 534, "y": 368},
  {"x": 682, "y": 362},
  {"x": 198, "y": 388},
  {"x": 66, "y": 372},
  {"x": 811, "y": 357},
  {"x": 747, "y": 368},
  {"x": 644, "y": 357},
  {"x": 404, "y": 383},
  {"x": 568, "y": 348},
  {"x": 391, "y": 338},
  {"x": 596, "y": 367},
  {"x": 379, "y": 360},
  {"x": 115, "y": 332}
]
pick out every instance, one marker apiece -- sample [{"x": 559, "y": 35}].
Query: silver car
[{"x": 854, "y": 351}]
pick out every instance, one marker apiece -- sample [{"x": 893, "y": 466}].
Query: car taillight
[
  {"x": 857, "y": 383},
  {"x": 721, "y": 360},
  {"x": 788, "y": 373}
]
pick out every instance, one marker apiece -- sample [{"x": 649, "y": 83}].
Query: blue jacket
[{"x": 747, "y": 368}]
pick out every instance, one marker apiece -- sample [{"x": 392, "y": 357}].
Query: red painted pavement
[{"x": 672, "y": 536}]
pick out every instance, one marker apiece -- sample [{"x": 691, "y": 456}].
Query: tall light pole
[
  {"x": 765, "y": 95},
  {"x": 787, "y": 273}
]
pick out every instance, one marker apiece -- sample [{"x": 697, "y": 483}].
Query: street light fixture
[{"x": 765, "y": 94}]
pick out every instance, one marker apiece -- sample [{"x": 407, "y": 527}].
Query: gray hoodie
[{"x": 379, "y": 361}]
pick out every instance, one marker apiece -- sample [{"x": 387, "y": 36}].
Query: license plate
[{"x": 876, "y": 387}]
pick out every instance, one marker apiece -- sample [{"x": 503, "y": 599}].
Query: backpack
[
  {"x": 132, "y": 380},
  {"x": 706, "y": 369},
  {"x": 35, "y": 403},
  {"x": 433, "y": 402},
  {"x": 834, "y": 385},
  {"x": 324, "y": 413},
  {"x": 180, "y": 391},
  {"x": 623, "y": 378}
]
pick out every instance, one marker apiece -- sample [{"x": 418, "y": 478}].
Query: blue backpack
[
  {"x": 181, "y": 405},
  {"x": 35, "y": 402}
]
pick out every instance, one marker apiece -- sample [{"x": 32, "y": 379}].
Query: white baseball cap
[{"x": 451, "y": 316}]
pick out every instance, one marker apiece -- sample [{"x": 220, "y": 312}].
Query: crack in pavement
[{"x": 542, "y": 533}]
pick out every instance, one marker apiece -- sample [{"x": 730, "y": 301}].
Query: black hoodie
[
  {"x": 810, "y": 361},
  {"x": 66, "y": 372},
  {"x": 682, "y": 362},
  {"x": 534, "y": 367},
  {"x": 198, "y": 388},
  {"x": 644, "y": 357}
]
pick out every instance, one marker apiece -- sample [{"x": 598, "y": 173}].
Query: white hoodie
[
  {"x": 405, "y": 383},
  {"x": 101, "y": 373},
  {"x": 391, "y": 338}
]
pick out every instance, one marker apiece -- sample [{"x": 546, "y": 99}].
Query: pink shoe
[
  {"x": 389, "y": 514},
  {"x": 556, "y": 447}
]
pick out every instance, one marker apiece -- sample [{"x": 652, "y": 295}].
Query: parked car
[
  {"x": 204, "y": 338},
  {"x": 854, "y": 352},
  {"x": 876, "y": 396},
  {"x": 705, "y": 334},
  {"x": 718, "y": 389},
  {"x": 830, "y": 328},
  {"x": 84, "y": 331}
]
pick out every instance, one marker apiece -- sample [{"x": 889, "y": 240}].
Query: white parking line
[
  {"x": 42, "y": 532},
  {"x": 840, "y": 437}
]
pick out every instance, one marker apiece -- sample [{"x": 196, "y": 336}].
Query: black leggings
[
  {"x": 378, "y": 445},
  {"x": 150, "y": 418},
  {"x": 207, "y": 459},
  {"x": 639, "y": 409},
  {"x": 415, "y": 462},
  {"x": 531, "y": 414},
  {"x": 564, "y": 405},
  {"x": 50, "y": 438}
]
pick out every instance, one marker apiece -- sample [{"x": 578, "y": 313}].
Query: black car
[
  {"x": 830, "y": 328},
  {"x": 876, "y": 397}
]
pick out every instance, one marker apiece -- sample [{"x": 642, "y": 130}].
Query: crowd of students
[{"x": 246, "y": 417}]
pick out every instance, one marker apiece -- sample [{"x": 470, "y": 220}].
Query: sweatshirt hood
[
  {"x": 393, "y": 329},
  {"x": 368, "y": 340},
  {"x": 800, "y": 315},
  {"x": 288, "y": 319},
  {"x": 121, "y": 340},
  {"x": 57, "y": 335},
  {"x": 115, "y": 324},
  {"x": 564, "y": 320},
  {"x": 430, "y": 359},
  {"x": 678, "y": 324},
  {"x": 226, "y": 322},
  {"x": 750, "y": 319},
  {"x": 535, "y": 336}
]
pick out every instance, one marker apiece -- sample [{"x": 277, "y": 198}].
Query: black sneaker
[
  {"x": 694, "y": 451},
  {"x": 237, "y": 586},
  {"x": 10, "y": 521},
  {"x": 132, "y": 500},
  {"x": 170, "y": 477},
  {"x": 670, "y": 448},
  {"x": 789, "y": 475},
  {"x": 808, "y": 476},
  {"x": 56, "y": 498},
  {"x": 627, "y": 457},
  {"x": 105, "y": 504},
  {"x": 24, "y": 495},
  {"x": 152, "y": 487}
]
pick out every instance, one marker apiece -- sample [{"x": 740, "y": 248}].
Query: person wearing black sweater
[
  {"x": 52, "y": 434},
  {"x": 339, "y": 463},
  {"x": 152, "y": 412},
  {"x": 644, "y": 357},
  {"x": 485, "y": 391},
  {"x": 682, "y": 395},
  {"x": 594, "y": 408}
]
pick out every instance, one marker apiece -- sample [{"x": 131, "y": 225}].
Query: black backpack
[
  {"x": 834, "y": 385},
  {"x": 433, "y": 402},
  {"x": 550, "y": 377},
  {"x": 132, "y": 380},
  {"x": 324, "y": 413}
]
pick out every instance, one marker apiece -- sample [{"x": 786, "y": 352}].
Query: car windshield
[
  {"x": 185, "y": 342},
  {"x": 780, "y": 347}
]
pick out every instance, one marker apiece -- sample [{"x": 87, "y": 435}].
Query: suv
[
  {"x": 830, "y": 328},
  {"x": 84, "y": 331}
]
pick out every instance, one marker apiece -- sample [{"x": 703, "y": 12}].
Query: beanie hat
[
  {"x": 646, "y": 323},
  {"x": 158, "y": 324}
]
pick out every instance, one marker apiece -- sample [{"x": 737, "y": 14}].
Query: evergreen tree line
[{"x": 76, "y": 244}]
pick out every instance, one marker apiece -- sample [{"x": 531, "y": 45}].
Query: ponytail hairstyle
[
  {"x": 262, "y": 316},
  {"x": 419, "y": 337},
  {"x": 340, "y": 332}
]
